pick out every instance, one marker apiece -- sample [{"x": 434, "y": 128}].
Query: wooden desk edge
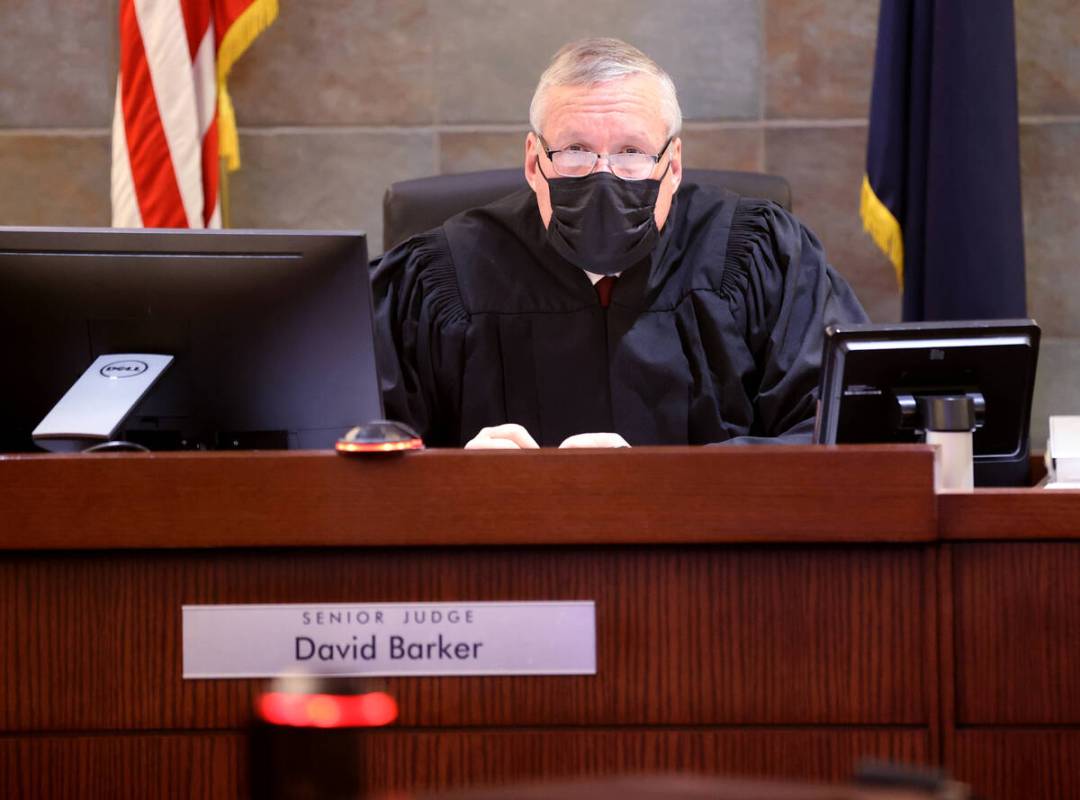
[
  {"x": 664, "y": 495},
  {"x": 1009, "y": 514}
]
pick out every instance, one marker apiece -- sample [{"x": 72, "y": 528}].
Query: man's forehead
[{"x": 630, "y": 106}]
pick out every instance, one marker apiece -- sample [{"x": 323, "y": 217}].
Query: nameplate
[{"x": 390, "y": 639}]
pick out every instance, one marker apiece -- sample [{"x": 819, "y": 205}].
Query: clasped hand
[{"x": 515, "y": 437}]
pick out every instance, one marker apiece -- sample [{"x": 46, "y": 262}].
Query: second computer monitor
[{"x": 271, "y": 331}]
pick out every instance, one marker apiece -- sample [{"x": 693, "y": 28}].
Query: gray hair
[{"x": 597, "y": 60}]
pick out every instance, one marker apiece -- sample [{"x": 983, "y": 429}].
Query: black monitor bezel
[
  {"x": 339, "y": 256},
  {"x": 1009, "y": 468}
]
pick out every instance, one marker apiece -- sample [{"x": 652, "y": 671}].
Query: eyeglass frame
[{"x": 549, "y": 153}]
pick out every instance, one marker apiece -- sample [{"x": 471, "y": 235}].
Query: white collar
[{"x": 596, "y": 278}]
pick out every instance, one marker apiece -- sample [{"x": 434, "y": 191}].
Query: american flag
[{"x": 173, "y": 122}]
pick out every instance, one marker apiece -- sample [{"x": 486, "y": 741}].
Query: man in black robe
[{"x": 607, "y": 304}]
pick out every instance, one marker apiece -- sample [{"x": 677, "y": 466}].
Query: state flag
[{"x": 941, "y": 194}]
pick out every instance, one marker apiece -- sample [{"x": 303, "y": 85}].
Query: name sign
[{"x": 388, "y": 639}]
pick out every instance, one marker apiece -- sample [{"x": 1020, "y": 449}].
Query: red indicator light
[
  {"x": 323, "y": 711},
  {"x": 380, "y": 708},
  {"x": 379, "y": 447},
  {"x": 327, "y": 710}
]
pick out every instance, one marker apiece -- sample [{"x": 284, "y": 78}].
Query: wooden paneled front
[
  {"x": 722, "y": 659},
  {"x": 686, "y": 636},
  {"x": 779, "y": 611},
  {"x": 1018, "y": 763},
  {"x": 1012, "y": 726},
  {"x": 205, "y": 765},
  {"x": 1017, "y": 611},
  {"x": 118, "y": 766}
]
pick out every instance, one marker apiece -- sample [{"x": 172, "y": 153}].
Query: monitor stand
[
  {"x": 948, "y": 421},
  {"x": 96, "y": 405}
]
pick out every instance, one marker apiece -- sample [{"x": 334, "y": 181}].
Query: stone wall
[{"x": 340, "y": 98}]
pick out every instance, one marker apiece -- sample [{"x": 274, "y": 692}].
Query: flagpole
[{"x": 223, "y": 194}]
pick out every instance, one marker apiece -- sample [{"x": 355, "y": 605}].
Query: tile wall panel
[
  {"x": 491, "y": 52},
  {"x": 327, "y": 62},
  {"x": 819, "y": 57},
  {"x": 825, "y": 167},
  {"x": 1051, "y": 195},
  {"x": 1057, "y": 385},
  {"x": 1048, "y": 56},
  {"x": 325, "y": 179},
  {"x": 57, "y": 68},
  {"x": 724, "y": 148},
  {"x": 54, "y": 179},
  {"x": 465, "y": 151}
]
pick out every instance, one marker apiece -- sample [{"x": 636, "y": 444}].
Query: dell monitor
[
  {"x": 270, "y": 333},
  {"x": 873, "y": 376}
]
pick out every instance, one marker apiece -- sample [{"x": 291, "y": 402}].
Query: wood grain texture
[
  {"x": 933, "y": 601},
  {"x": 1019, "y": 764},
  {"x": 946, "y": 653},
  {"x": 456, "y": 497},
  {"x": 121, "y": 767},
  {"x": 216, "y": 765},
  {"x": 1017, "y": 629},
  {"x": 690, "y": 635},
  {"x": 671, "y": 787},
  {"x": 490, "y": 758},
  {"x": 1010, "y": 514}
]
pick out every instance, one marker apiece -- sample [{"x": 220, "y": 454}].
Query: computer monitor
[
  {"x": 271, "y": 331},
  {"x": 867, "y": 367}
]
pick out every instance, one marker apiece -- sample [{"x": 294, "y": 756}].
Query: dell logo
[
  {"x": 937, "y": 355},
  {"x": 123, "y": 369}
]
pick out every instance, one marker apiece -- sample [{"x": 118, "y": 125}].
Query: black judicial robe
[{"x": 717, "y": 335}]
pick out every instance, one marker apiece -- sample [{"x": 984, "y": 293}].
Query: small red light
[
  {"x": 327, "y": 710},
  {"x": 280, "y": 709},
  {"x": 378, "y": 708},
  {"x": 379, "y": 447},
  {"x": 323, "y": 711}
]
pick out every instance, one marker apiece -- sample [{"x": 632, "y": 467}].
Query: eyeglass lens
[{"x": 578, "y": 163}]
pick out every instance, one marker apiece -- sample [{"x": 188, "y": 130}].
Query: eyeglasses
[{"x": 577, "y": 163}]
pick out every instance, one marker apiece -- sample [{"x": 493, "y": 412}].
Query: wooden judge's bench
[{"x": 776, "y": 612}]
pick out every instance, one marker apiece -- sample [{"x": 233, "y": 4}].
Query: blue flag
[{"x": 941, "y": 195}]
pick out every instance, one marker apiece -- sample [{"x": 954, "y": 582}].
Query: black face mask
[{"x": 602, "y": 223}]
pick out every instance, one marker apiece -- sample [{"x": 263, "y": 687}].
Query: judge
[{"x": 609, "y": 304}]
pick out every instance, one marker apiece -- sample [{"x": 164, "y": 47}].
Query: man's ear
[
  {"x": 531, "y": 175},
  {"x": 676, "y": 163}
]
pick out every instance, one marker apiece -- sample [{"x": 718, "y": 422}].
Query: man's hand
[
  {"x": 595, "y": 440},
  {"x": 502, "y": 437}
]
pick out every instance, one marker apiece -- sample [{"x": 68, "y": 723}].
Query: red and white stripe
[{"x": 165, "y": 143}]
